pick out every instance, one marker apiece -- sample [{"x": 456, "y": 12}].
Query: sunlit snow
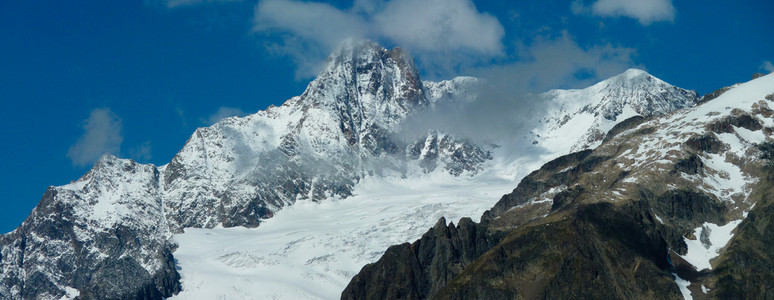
[
  {"x": 683, "y": 285},
  {"x": 700, "y": 253},
  {"x": 311, "y": 250}
]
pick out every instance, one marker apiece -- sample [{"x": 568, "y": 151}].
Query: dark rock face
[
  {"x": 593, "y": 251},
  {"x": 691, "y": 165},
  {"x": 455, "y": 155},
  {"x": 705, "y": 143},
  {"x": 747, "y": 270},
  {"x": 714, "y": 94},
  {"x": 623, "y": 126},
  {"x": 742, "y": 120},
  {"x": 123, "y": 278},
  {"x": 421, "y": 269},
  {"x": 598, "y": 252}
]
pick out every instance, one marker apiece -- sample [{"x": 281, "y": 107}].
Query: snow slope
[{"x": 311, "y": 250}]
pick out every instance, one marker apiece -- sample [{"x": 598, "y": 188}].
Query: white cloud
[
  {"x": 767, "y": 66},
  {"x": 222, "y": 113},
  {"x": 440, "y": 26},
  {"x": 557, "y": 63},
  {"x": 102, "y": 134},
  {"x": 503, "y": 107},
  {"x": 141, "y": 153},
  {"x": 430, "y": 29},
  {"x": 184, "y": 3},
  {"x": 307, "y": 31},
  {"x": 644, "y": 11}
]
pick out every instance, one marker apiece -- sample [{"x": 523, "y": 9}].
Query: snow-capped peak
[
  {"x": 631, "y": 79},
  {"x": 631, "y": 74},
  {"x": 365, "y": 84},
  {"x": 598, "y": 108}
]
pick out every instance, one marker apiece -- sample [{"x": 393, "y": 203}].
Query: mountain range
[{"x": 293, "y": 201}]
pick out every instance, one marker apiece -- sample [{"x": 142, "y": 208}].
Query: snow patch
[
  {"x": 710, "y": 239},
  {"x": 683, "y": 285},
  {"x": 704, "y": 289},
  {"x": 658, "y": 219},
  {"x": 70, "y": 293}
]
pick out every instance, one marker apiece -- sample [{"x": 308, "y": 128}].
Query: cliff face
[
  {"x": 81, "y": 235},
  {"x": 421, "y": 269},
  {"x": 665, "y": 206}
]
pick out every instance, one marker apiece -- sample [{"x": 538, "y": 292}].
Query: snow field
[{"x": 311, "y": 250}]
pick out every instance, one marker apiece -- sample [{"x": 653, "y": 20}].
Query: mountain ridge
[
  {"x": 238, "y": 172},
  {"x": 662, "y": 209}
]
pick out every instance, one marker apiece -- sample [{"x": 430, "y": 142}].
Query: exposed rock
[
  {"x": 421, "y": 269},
  {"x": 714, "y": 94},
  {"x": 691, "y": 165},
  {"x": 705, "y": 143},
  {"x": 81, "y": 238},
  {"x": 614, "y": 223},
  {"x": 623, "y": 126},
  {"x": 726, "y": 124}
]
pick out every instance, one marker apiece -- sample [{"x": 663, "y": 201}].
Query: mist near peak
[{"x": 506, "y": 101}]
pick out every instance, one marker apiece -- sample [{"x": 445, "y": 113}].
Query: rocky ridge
[{"x": 668, "y": 207}]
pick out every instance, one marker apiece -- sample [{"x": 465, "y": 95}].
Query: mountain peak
[
  {"x": 351, "y": 48},
  {"x": 365, "y": 81},
  {"x": 353, "y": 51},
  {"x": 632, "y": 79},
  {"x": 599, "y": 107},
  {"x": 632, "y": 73}
]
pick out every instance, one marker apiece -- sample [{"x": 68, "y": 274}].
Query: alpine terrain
[
  {"x": 677, "y": 206},
  {"x": 655, "y": 192}
]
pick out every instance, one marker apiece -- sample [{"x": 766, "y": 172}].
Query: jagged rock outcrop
[{"x": 419, "y": 270}]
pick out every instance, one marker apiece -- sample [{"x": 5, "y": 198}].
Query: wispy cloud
[
  {"x": 102, "y": 134},
  {"x": 141, "y": 153},
  {"x": 644, "y": 11},
  {"x": 222, "y": 113},
  {"x": 184, "y": 3},
  {"x": 430, "y": 29},
  {"x": 505, "y": 102},
  {"x": 181, "y": 113},
  {"x": 767, "y": 66},
  {"x": 560, "y": 62}
]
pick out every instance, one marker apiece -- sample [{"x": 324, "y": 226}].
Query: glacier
[{"x": 291, "y": 201}]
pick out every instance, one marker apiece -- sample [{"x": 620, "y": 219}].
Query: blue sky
[{"x": 135, "y": 78}]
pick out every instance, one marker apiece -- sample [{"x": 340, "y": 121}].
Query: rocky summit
[{"x": 653, "y": 193}]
